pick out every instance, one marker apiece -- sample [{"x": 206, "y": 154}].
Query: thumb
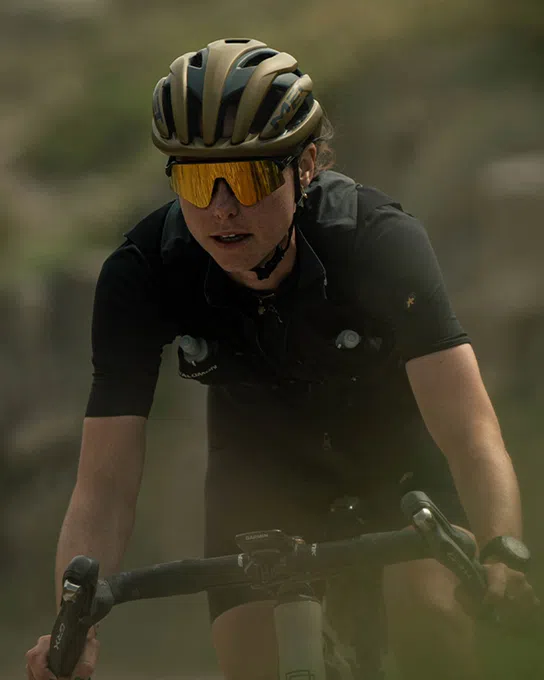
[{"x": 497, "y": 577}]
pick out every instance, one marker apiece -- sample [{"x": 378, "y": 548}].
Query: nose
[{"x": 224, "y": 203}]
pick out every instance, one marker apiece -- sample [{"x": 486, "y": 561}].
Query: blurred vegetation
[{"x": 440, "y": 104}]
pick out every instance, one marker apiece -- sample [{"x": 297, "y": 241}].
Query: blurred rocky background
[{"x": 439, "y": 104}]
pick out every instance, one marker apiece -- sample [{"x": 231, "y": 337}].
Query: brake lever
[
  {"x": 451, "y": 547},
  {"x": 73, "y": 620},
  {"x": 103, "y": 601}
]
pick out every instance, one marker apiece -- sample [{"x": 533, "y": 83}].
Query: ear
[{"x": 306, "y": 165}]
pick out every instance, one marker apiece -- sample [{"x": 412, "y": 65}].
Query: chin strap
[{"x": 264, "y": 271}]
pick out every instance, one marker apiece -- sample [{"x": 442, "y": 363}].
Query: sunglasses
[{"x": 250, "y": 180}]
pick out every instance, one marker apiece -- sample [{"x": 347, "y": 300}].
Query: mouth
[{"x": 231, "y": 238}]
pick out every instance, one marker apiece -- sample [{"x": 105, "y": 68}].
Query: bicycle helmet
[{"x": 275, "y": 113}]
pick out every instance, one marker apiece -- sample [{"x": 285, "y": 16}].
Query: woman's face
[{"x": 261, "y": 226}]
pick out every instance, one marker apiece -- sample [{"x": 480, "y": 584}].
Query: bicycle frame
[
  {"x": 308, "y": 647},
  {"x": 299, "y": 632}
]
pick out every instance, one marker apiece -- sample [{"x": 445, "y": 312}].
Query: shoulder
[
  {"x": 148, "y": 235},
  {"x": 153, "y": 243},
  {"x": 332, "y": 200},
  {"x": 342, "y": 218},
  {"x": 390, "y": 234},
  {"x": 132, "y": 257},
  {"x": 337, "y": 204},
  {"x": 134, "y": 265}
]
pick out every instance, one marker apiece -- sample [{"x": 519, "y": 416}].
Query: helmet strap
[{"x": 264, "y": 271}]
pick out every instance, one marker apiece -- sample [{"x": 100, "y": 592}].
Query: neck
[{"x": 284, "y": 268}]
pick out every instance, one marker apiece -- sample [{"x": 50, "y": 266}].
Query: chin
[{"x": 235, "y": 265}]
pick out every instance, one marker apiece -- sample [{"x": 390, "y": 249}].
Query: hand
[
  {"x": 37, "y": 657},
  {"x": 510, "y": 596}
]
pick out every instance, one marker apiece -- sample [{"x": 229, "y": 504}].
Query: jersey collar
[{"x": 311, "y": 275}]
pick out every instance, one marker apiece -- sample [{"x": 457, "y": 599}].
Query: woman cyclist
[{"x": 315, "y": 310}]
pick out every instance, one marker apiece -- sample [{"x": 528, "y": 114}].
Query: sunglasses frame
[{"x": 282, "y": 163}]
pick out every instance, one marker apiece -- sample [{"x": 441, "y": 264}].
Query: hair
[{"x": 325, "y": 157}]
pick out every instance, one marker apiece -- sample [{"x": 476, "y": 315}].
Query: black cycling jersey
[{"x": 370, "y": 271}]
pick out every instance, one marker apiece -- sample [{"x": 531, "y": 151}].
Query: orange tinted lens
[
  {"x": 193, "y": 182},
  {"x": 250, "y": 181}
]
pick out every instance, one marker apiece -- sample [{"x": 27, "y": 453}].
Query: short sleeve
[
  {"x": 128, "y": 334},
  {"x": 399, "y": 280}
]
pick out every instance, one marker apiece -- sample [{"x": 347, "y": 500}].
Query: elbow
[
  {"x": 468, "y": 454},
  {"x": 476, "y": 442}
]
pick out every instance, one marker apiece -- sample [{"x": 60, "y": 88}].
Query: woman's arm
[{"x": 459, "y": 415}]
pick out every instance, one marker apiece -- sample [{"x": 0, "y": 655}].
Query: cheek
[
  {"x": 275, "y": 211},
  {"x": 286, "y": 195},
  {"x": 190, "y": 211},
  {"x": 195, "y": 218}
]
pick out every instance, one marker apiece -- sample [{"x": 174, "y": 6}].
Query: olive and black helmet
[{"x": 267, "y": 98}]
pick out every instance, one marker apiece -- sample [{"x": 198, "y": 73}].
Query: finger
[
  {"x": 519, "y": 590},
  {"x": 46, "y": 675},
  {"x": 93, "y": 632},
  {"x": 87, "y": 663},
  {"x": 519, "y": 610},
  {"x": 521, "y": 602},
  {"x": 43, "y": 642},
  {"x": 36, "y": 667},
  {"x": 496, "y": 583}
]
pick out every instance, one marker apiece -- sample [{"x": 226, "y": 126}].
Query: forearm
[
  {"x": 460, "y": 417},
  {"x": 96, "y": 528},
  {"x": 489, "y": 491}
]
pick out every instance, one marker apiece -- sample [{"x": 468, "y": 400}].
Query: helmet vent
[
  {"x": 256, "y": 59},
  {"x": 231, "y": 41},
  {"x": 196, "y": 60},
  {"x": 167, "y": 108}
]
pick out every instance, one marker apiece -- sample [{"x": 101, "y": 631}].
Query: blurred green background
[{"x": 439, "y": 104}]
